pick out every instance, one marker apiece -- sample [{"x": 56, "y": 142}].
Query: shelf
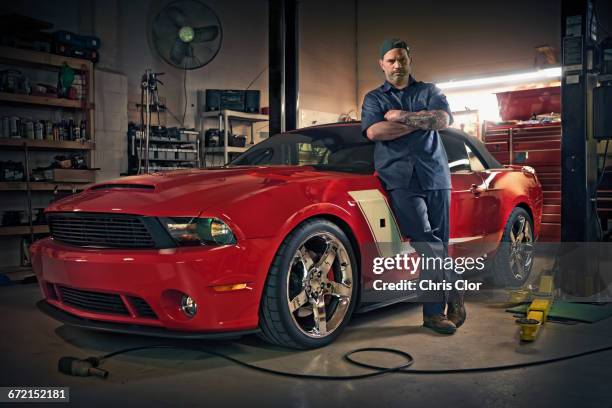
[
  {"x": 23, "y": 230},
  {"x": 248, "y": 117},
  {"x": 229, "y": 149},
  {"x": 173, "y": 160},
  {"x": 40, "y": 100},
  {"x": 40, "y": 186},
  {"x": 46, "y": 144},
  {"x": 43, "y": 58},
  {"x": 157, "y": 140},
  {"x": 171, "y": 168}
]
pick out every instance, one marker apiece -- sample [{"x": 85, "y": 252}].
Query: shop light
[{"x": 548, "y": 73}]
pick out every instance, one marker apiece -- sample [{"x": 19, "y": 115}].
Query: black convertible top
[{"x": 354, "y": 129}]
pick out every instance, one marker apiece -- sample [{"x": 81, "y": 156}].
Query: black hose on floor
[{"x": 378, "y": 370}]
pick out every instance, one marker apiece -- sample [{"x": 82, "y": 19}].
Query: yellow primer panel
[{"x": 374, "y": 207}]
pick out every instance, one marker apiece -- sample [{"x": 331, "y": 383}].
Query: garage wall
[
  {"x": 328, "y": 75},
  {"x": 62, "y": 13},
  {"x": 493, "y": 36},
  {"x": 242, "y": 56}
]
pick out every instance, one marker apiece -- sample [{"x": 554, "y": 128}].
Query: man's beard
[{"x": 398, "y": 77}]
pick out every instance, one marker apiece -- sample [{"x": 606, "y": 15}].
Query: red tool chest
[
  {"x": 604, "y": 200},
  {"x": 532, "y": 144}
]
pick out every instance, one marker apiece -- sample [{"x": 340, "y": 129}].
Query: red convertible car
[{"x": 278, "y": 242}]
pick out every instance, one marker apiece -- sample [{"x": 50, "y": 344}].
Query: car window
[
  {"x": 334, "y": 148},
  {"x": 458, "y": 159},
  {"x": 475, "y": 163},
  {"x": 310, "y": 153}
]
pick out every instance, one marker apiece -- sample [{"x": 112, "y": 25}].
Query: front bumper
[
  {"x": 108, "y": 289},
  {"x": 76, "y": 321}
]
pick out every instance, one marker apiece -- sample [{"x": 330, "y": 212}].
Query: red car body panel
[{"x": 261, "y": 205}]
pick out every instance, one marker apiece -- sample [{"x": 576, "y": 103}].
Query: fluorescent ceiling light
[{"x": 548, "y": 73}]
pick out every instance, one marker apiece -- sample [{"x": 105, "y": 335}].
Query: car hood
[{"x": 189, "y": 192}]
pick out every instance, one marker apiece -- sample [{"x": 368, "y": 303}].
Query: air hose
[{"x": 65, "y": 363}]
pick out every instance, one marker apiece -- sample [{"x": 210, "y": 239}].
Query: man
[{"x": 403, "y": 117}]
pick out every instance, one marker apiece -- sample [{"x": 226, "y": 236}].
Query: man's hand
[
  {"x": 427, "y": 120},
  {"x": 394, "y": 115}
]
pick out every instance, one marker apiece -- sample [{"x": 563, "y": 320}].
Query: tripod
[{"x": 148, "y": 97}]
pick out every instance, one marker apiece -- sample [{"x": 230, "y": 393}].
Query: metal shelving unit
[
  {"x": 224, "y": 118},
  {"x": 165, "y": 153}
]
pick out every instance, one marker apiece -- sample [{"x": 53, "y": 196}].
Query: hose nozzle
[{"x": 81, "y": 368}]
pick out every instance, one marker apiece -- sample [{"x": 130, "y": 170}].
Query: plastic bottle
[
  {"x": 84, "y": 129},
  {"x": 38, "y": 130}
]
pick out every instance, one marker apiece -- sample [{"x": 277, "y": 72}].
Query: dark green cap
[{"x": 391, "y": 43}]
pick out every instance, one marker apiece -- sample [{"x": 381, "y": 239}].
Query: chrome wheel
[
  {"x": 311, "y": 288},
  {"x": 521, "y": 248},
  {"x": 319, "y": 285}
]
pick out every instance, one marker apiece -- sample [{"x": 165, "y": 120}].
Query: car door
[
  {"x": 489, "y": 199},
  {"x": 467, "y": 223}
]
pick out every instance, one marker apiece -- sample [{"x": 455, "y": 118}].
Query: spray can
[
  {"x": 49, "y": 130},
  {"x": 76, "y": 130},
  {"x": 83, "y": 129},
  {"x": 70, "y": 129},
  {"x": 38, "y": 130},
  {"x": 6, "y": 126},
  {"x": 56, "y": 131},
  {"x": 29, "y": 129},
  {"x": 15, "y": 127}
]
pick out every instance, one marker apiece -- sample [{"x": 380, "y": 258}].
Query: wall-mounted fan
[{"x": 187, "y": 34}]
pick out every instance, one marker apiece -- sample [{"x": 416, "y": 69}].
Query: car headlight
[{"x": 198, "y": 231}]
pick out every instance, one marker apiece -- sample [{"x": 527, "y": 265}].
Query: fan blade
[
  {"x": 207, "y": 33},
  {"x": 189, "y": 51},
  {"x": 204, "y": 52},
  {"x": 178, "y": 51},
  {"x": 164, "y": 31},
  {"x": 177, "y": 17},
  {"x": 192, "y": 61}
]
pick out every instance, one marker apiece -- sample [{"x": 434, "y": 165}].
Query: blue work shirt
[{"x": 421, "y": 151}]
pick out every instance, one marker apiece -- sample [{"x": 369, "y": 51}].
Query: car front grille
[
  {"x": 100, "y": 230},
  {"x": 142, "y": 308},
  {"x": 93, "y": 301}
]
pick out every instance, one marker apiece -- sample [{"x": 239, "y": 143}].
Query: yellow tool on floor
[{"x": 537, "y": 312}]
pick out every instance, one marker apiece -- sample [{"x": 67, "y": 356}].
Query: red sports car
[{"x": 279, "y": 242}]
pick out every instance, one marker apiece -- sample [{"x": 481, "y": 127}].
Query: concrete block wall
[{"x": 111, "y": 121}]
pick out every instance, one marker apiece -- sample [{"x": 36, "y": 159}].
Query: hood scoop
[{"x": 131, "y": 186}]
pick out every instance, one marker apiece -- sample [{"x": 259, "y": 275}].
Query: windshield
[{"x": 333, "y": 148}]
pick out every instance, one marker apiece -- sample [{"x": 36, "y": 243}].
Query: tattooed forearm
[{"x": 428, "y": 120}]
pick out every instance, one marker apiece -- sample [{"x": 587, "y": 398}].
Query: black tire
[
  {"x": 506, "y": 271},
  {"x": 289, "y": 275}
]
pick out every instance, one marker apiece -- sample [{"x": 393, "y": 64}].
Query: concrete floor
[{"x": 31, "y": 344}]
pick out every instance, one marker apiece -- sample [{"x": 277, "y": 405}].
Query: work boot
[
  {"x": 456, "y": 313},
  {"x": 439, "y": 324}
]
